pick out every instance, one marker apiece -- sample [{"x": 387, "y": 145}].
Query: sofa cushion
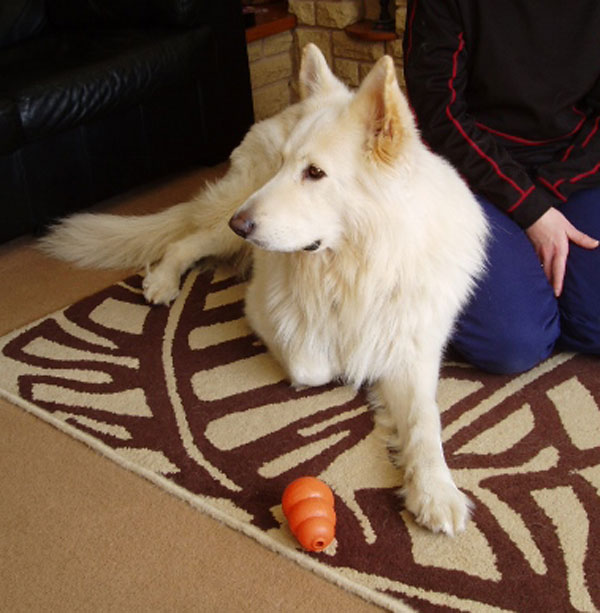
[
  {"x": 20, "y": 19},
  {"x": 62, "y": 79}
]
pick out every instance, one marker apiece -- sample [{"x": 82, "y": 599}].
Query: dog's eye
[{"x": 314, "y": 172}]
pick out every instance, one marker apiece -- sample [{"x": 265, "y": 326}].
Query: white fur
[{"x": 400, "y": 244}]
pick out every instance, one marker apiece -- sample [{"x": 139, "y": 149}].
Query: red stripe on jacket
[{"x": 469, "y": 140}]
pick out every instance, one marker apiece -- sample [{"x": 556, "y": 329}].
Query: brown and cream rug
[{"x": 189, "y": 398}]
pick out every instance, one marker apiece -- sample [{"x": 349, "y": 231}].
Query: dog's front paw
[
  {"x": 438, "y": 505},
  {"x": 160, "y": 288}
]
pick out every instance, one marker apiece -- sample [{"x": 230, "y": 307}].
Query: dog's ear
[
  {"x": 315, "y": 75},
  {"x": 384, "y": 111}
]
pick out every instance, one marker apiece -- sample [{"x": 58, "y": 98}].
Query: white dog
[{"x": 364, "y": 246}]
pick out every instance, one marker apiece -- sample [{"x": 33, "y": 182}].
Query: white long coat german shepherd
[{"x": 363, "y": 244}]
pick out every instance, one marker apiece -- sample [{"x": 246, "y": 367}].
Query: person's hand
[{"x": 550, "y": 236}]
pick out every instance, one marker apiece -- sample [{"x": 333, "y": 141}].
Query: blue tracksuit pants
[{"x": 514, "y": 321}]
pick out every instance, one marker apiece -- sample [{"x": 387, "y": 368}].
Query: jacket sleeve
[
  {"x": 579, "y": 167},
  {"x": 436, "y": 57}
]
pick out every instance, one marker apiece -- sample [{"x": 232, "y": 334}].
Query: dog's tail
[{"x": 111, "y": 241}]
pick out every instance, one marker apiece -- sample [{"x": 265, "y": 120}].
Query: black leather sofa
[{"x": 98, "y": 96}]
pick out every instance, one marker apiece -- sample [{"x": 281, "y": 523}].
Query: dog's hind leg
[
  {"x": 429, "y": 490},
  {"x": 161, "y": 283}
]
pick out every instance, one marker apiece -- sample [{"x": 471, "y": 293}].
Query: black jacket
[{"x": 509, "y": 92}]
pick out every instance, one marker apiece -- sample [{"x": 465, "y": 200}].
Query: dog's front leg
[{"x": 429, "y": 490}]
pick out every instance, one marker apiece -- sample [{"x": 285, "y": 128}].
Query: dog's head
[{"x": 330, "y": 161}]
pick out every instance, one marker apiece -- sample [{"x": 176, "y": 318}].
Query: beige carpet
[
  {"x": 188, "y": 398},
  {"x": 80, "y": 533}
]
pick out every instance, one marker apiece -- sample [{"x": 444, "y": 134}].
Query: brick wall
[
  {"x": 272, "y": 67},
  {"x": 323, "y": 21},
  {"x": 274, "y": 60}
]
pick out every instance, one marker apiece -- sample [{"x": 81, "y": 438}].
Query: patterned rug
[{"x": 189, "y": 398}]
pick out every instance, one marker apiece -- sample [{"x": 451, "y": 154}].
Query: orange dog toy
[{"x": 308, "y": 506}]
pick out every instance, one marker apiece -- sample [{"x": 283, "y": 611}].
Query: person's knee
[
  {"x": 581, "y": 334},
  {"x": 509, "y": 351},
  {"x": 509, "y": 356}
]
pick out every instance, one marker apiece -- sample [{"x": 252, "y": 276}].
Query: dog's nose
[{"x": 241, "y": 223}]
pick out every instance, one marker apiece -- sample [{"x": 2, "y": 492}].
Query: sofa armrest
[{"x": 129, "y": 12}]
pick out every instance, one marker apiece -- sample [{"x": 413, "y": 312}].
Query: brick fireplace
[{"x": 332, "y": 26}]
